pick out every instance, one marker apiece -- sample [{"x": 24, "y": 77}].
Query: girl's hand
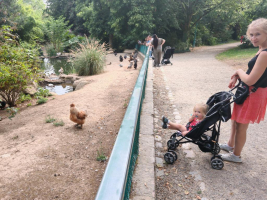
[{"x": 233, "y": 81}]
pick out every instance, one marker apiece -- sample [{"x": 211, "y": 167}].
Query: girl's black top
[{"x": 262, "y": 82}]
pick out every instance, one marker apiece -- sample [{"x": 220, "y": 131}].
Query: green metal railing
[
  {"x": 141, "y": 48},
  {"x": 116, "y": 182}
]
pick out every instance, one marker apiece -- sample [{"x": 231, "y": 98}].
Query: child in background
[{"x": 199, "y": 113}]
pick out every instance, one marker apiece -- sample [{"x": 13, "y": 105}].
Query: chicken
[
  {"x": 2, "y": 105},
  {"x": 121, "y": 58},
  {"x": 115, "y": 53},
  {"x": 77, "y": 116},
  {"x": 135, "y": 64}
]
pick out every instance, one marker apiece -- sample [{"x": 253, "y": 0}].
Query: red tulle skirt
[{"x": 253, "y": 109}]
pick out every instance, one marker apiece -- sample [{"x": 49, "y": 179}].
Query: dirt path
[
  {"x": 193, "y": 78},
  {"x": 42, "y": 161}
]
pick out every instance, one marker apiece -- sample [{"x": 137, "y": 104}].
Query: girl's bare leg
[
  {"x": 175, "y": 126},
  {"x": 240, "y": 138},
  {"x": 231, "y": 142}
]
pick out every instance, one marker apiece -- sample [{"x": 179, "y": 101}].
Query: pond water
[{"x": 51, "y": 67}]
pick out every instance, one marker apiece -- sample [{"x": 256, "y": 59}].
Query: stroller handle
[{"x": 236, "y": 86}]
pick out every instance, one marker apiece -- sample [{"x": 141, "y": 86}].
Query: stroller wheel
[
  {"x": 216, "y": 149},
  {"x": 170, "y": 157},
  {"x": 174, "y": 154},
  {"x": 173, "y": 144},
  {"x": 176, "y": 134},
  {"x": 217, "y": 163}
]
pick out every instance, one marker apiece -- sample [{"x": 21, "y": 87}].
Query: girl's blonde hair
[
  {"x": 260, "y": 23},
  {"x": 204, "y": 108}
]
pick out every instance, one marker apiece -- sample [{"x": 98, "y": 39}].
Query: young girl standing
[{"x": 254, "y": 107}]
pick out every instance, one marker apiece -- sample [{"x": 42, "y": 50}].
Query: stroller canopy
[{"x": 220, "y": 103}]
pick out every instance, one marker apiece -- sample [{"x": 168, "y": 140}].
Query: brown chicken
[{"x": 77, "y": 116}]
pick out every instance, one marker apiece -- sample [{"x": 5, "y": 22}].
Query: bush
[
  {"x": 42, "y": 93},
  {"x": 41, "y": 101},
  {"x": 90, "y": 58},
  {"x": 50, "y": 50},
  {"x": 24, "y": 97},
  {"x": 19, "y": 68},
  {"x": 181, "y": 47}
]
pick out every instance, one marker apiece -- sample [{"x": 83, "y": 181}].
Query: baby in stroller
[
  {"x": 199, "y": 113},
  {"x": 205, "y": 131}
]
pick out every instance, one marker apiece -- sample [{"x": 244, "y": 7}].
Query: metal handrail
[{"x": 116, "y": 182}]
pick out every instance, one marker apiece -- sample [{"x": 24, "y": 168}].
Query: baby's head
[{"x": 201, "y": 110}]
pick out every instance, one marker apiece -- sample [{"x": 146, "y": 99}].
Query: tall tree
[
  {"x": 68, "y": 9},
  {"x": 192, "y": 11},
  {"x": 57, "y": 31}
]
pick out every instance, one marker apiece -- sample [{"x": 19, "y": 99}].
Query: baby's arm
[{"x": 192, "y": 118}]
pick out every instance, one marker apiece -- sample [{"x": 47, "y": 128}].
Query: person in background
[
  {"x": 157, "y": 49},
  {"x": 149, "y": 40}
]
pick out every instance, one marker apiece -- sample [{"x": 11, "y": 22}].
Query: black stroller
[
  {"x": 168, "y": 53},
  {"x": 206, "y": 133}
]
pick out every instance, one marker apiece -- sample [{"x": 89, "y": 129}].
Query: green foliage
[
  {"x": 50, "y": 50},
  {"x": 90, "y": 58},
  {"x": 42, "y": 93},
  {"x": 24, "y": 97},
  {"x": 29, "y": 104},
  {"x": 57, "y": 31},
  {"x": 18, "y": 68},
  {"x": 29, "y": 20},
  {"x": 41, "y": 100},
  {"x": 237, "y": 53},
  {"x": 12, "y": 111},
  {"x": 53, "y": 120},
  {"x": 73, "y": 43},
  {"x": 181, "y": 47},
  {"x": 59, "y": 123},
  {"x": 101, "y": 156},
  {"x": 49, "y": 119},
  {"x": 68, "y": 9}
]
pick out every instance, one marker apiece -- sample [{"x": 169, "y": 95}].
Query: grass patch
[
  {"x": 101, "y": 156},
  {"x": 15, "y": 137},
  {"x": 41, "y": 100},
  {"x": 237, "y": 54},
  {"x": 58, "y": 123},
  {"x": 49, "y": 119}
]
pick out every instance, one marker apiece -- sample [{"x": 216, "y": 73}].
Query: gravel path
[{"x": 193, "y": 78}]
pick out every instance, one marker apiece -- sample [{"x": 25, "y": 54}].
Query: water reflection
[
  {"x": 60, "y": 89},
  {"x": 51, "y": 66}
]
